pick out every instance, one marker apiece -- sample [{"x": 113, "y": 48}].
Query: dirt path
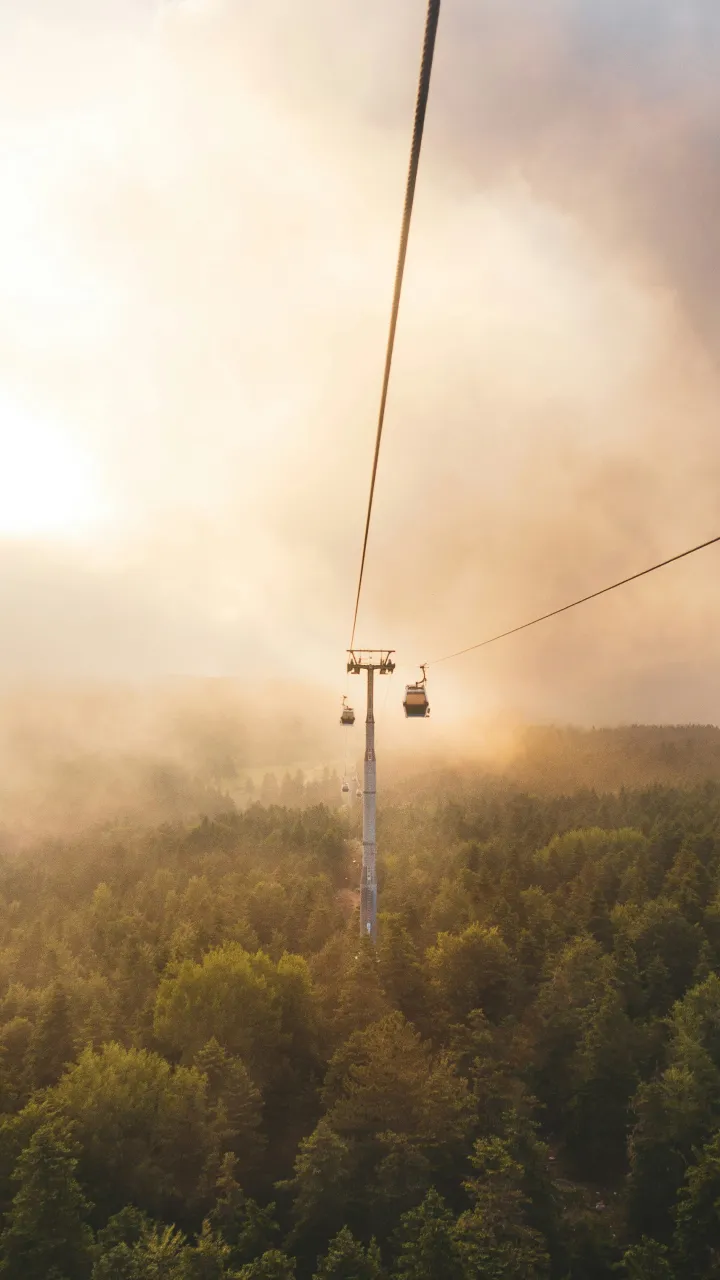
[{"x": 348, "y": 898}]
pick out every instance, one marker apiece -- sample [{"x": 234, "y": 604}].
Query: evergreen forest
[{"x": 207, "y": 1074}]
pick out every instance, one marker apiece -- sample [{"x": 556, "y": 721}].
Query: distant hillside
[
  {"x": 56, "y": 782},
  {"x": 560, "y": 760},
  {"x": 611, "y": 758}
]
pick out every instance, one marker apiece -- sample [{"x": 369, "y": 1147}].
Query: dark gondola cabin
[
  {"x": 416, "y": 700},
  {"x": 347, "y": 715}
]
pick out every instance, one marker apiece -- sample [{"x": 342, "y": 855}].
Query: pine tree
[
  {"x": 428, "y": 1250},
  {"x": 51, "y": 1046},
  {"x": 495, "y": 1238},
  {"x": 133, "y": 1247},
  {"x": 648, "y": 1260},
  {"x": 159, "y": 1253},
  {"x": 400, "y": 970},
  {"x": 606, "y": 1078},
  {"x": 120, "y": 1262},
  {"x": 126, "y": 1227},
  {"x": 697, "y": 1233},
  {"x": 273, "y": 1265},
  {"x": 322, "y": 1182},
  {"x": 346, "y": 1259},
  {"x": 361, "y": 999},
  {"x": 209, "y": 1259},
  {"x": 472, "y": 970},
  {"x": 248, "y": 1228},
  {"x": 15, "y": 1086},
  {"x": 235, "y": 1102},
  {"x": 401, "y": 1179},
  {"x": 45, "y": 1233},
  {"x": 97, "y": 1026}
]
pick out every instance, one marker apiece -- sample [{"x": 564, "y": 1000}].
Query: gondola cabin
[
  {"x": 344, "y": 788},
  {"x": 347, "y": 715},
  {"x": 416, "y": 700}
]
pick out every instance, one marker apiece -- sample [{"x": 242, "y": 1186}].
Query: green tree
[
  {"x": 492, "y": 1059},
  {"x": 647, "y": 1260},
  {"x": 51, "y": 1045},
  {"x": 247, "y": 1227},
  {"x": 361, "y": 999},
  {"x": 671, "y": 1119},
  {"x": 686, "y": 884},
  {"x": 15, "y": 1038},
  {"x": 273, "y": 1265},
  {"x": 161, "y": 1254},
  {"x": 322, "y": 1182},
  {"x": 208, "y": 1259},
  {"x": 230, "y": 996},
  {"x": 45, "y": 1233},
  {"x": 267, "y": 909},
  {"x": 676, "y": 1112},
  {"x": 347, "y": 1259},
  {"x": 667, "y": 946},
  {"x": 697, "y": 1235},
  {"x": 114, "y": 1253},
  {"x": 495, "y": 1238},
  {"x": 131, "y": 1247},
  {"x": 400, "y": 970},
  {"x": 144, "y": 1128},
  {"x": 387, "y": 1079},
  {"x": 259, "y": 1011},
  {"x": 297, "y": 1070},
  {"x": 606, "y": 1077},
  {"x": 577, "y": 984},
  {"x": 472, "y": 970},
  {"x": 235, "y": 1106},
  {"x": 402, "y": 1175},
  {"x": 428, "y": 1249},
  {"x": 119, "y": 1262}
]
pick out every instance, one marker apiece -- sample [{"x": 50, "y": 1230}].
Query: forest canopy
[{"x": 205, "y": 1072}]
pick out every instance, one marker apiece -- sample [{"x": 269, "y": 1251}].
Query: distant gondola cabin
[{"x": 347, "y": 715}]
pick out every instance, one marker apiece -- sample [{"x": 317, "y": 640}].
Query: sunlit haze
[{"x": 198, "y": 228}]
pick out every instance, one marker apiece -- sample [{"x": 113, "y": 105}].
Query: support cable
[
  {"x": 584, "y": 599},
  {"x": 433, "y": 13}
]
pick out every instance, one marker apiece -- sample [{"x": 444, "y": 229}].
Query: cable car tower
[{"x": 370, "y": 660}]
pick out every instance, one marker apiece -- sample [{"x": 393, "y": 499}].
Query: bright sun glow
[{"x": 47, "y": 484}]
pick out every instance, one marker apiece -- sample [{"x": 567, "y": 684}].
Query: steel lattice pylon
[{"x": 370, "y": 660}]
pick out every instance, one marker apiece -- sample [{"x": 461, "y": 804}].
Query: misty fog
[{"x": 198, "y": 229}]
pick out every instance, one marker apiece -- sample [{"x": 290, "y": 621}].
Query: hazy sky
[{"x": 199, "y": 212}]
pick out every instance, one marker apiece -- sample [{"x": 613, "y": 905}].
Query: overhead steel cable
[
  {"x": 431, "y": 23},
  {"x": 573, "y": 605}
]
